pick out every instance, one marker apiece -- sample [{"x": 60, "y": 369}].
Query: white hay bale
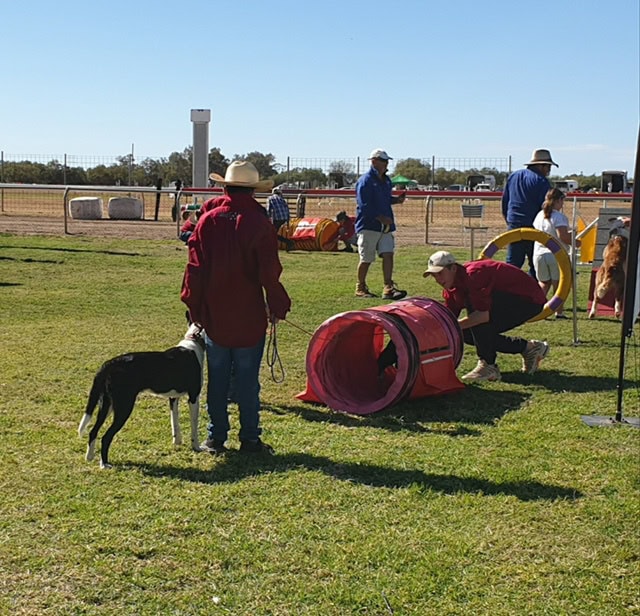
[
  {"x": 125, "y": 208},
  {"x": 86, "y": 208}
]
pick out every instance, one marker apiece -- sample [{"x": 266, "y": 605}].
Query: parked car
[{"x": 456, "y": 187}]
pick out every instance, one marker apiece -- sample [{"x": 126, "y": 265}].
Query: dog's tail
[{"x": 98, "y": 390}]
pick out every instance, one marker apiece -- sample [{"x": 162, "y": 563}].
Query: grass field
[{"x": 496, "y": 500}]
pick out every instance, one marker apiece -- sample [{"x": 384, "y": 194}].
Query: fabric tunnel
[
  {"x": 311, "y": 234},
  {"x": 343, "y": 368}
]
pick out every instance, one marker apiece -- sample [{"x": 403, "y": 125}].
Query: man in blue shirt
[
  {"x": 375, "y": 225},
  {"x": 522, "y": 199}
]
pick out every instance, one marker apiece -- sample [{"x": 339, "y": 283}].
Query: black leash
[{"x": 273, "y": 356}]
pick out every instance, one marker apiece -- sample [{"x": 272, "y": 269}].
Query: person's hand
[
  {"x": 385, "y": 220},
  {"x": 273, "y": 318}
]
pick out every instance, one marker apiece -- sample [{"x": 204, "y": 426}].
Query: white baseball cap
[
  {"x": 378, "y": 153},
  {"x": 438, "y": 261}
]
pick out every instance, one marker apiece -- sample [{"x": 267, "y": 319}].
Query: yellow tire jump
[{"x": 554, "y": 245}]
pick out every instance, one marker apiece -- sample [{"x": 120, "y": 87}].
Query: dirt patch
[{"x": 123, "y": 229}]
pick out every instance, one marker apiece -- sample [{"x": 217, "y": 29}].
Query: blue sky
[{"x": 455, "y": 79}]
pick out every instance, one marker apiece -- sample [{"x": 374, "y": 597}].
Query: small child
[
  {"x": 347, "y": 231},
  {"x": 189, "y": 218}
]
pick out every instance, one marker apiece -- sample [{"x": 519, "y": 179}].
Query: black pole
[
  {"x": 158, "y": 194},
  {"x": 176, "y": 196},
  {"x": 629, "y": 311}
]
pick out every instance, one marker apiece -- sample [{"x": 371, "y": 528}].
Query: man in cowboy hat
[
  {"x": 522, "y": 199},
  {"x": 375, "y": 225},
  {"x": 233, "y": 263}
]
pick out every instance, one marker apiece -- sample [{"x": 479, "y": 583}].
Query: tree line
[{"x": 178, "y": 166}]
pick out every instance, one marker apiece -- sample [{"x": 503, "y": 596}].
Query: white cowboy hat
[
  {"x": 541, "y": 157},
  {"x": 242, "y": 173}
]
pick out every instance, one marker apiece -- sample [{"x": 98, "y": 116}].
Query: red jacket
[
  {"x": 233, "y": 256},
  {"x": 477, "y": 280}
]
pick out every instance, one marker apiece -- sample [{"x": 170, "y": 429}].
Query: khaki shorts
[
  {"x": 372, "y": 242},
  {"x": 546, "y": 267}
]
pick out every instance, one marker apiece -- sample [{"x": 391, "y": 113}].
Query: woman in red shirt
[{"x": 497, "y": 297}]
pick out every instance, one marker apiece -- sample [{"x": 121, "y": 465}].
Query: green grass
[{"x": 495, "y": 500}]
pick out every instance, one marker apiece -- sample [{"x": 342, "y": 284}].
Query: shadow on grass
[
  {"x": 472, "y": 405},
  {"x": 30, "y": 260},
  {"x": 234, "y": 467},
  {"x": 101, "y": 252},
  {"x": 560, "y": 381}
]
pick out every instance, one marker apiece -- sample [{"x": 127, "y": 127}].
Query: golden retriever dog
[{"x": 612, "y": 273}]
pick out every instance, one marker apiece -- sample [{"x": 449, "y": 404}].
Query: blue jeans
[
  {"x": 244, "y": 363},
  {"x": 518, "y": 251}
]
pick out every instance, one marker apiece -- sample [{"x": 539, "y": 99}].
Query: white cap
[
  {"x": 438, "y": 261},
  {"x": 378, "y": 153}
]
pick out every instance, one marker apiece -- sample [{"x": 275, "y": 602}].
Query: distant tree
[
  {"x": 264, "y": 163},
  {"x": 303, "y": 177},
  {"x": 446, "y": 177},
  {"x": 76, "y": 176},
  {"x": 341, "y": 173},
  {"x": 180, "y": 166},
  {"x": 218, "y": 163},
  {"x": 414, "y": 169},
  {"x": 150, "y": 170},
  {"x": 101, "y": 175},
  {"x": 24, "y": 172}
]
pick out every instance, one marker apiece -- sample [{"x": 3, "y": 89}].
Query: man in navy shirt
[
  {"x": 375, "y": 225},
  {"x": 522, "y": 199}
]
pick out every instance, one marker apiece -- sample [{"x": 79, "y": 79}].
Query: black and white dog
[{"x": 171, "y": 374}]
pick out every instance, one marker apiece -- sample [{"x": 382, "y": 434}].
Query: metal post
[
  {"x": 574, "y": 272},
  {"x": 64, "y": 205},
  {"x": 129, "y": 166},
  {"x": 158, "y": 194},
  {"x": 427, "y": 207}
]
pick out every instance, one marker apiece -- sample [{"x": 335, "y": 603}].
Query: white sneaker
[
  {"x": 483, "y": 372},
  {"x": 531, "y": 359}
]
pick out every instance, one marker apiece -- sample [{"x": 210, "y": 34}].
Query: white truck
[
  {"x": 566, "y": 186},
  {"x": 480, "y": 179}
]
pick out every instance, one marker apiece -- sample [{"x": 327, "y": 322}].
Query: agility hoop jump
[{"x": 550, "y": 242}]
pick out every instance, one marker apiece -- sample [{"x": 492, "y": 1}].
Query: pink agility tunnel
[{"x": 342, "y": 357}]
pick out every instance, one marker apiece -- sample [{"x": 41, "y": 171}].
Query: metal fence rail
[{"x": 424, "y": 218}]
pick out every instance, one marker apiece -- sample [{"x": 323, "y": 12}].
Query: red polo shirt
[
  {"x": 233, "y": 263},
  {"x": 477, "y": 280}
]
